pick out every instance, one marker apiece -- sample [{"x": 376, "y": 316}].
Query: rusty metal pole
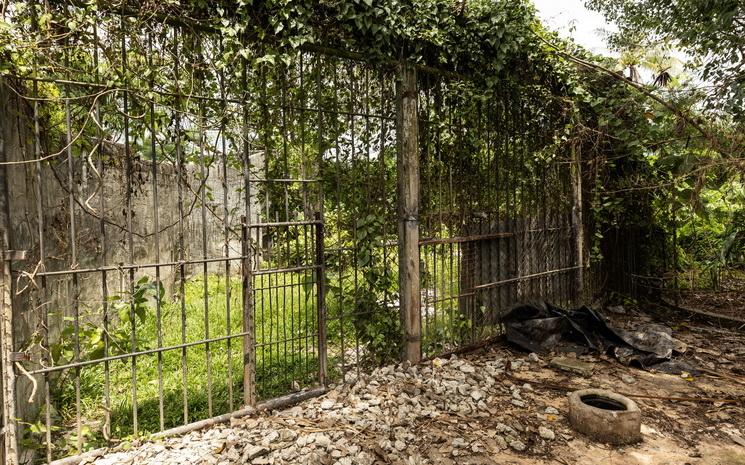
[
  {"x": 408, "y": 211},
  {"x": 249, "y": 355},
  {"x": 577, "y": 222},
  {"x": 321, "y": 300},
  {"x": 10, "y": 444}
]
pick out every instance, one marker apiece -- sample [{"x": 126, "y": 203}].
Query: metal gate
[
  {"x": 173, "y": 264},
  {"x": 185, "y": 236},
  {"x": 155, "y": 342}
]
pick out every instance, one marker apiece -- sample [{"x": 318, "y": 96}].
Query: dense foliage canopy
[
  {"x": 657, "y": 143},
  {"x": 711, "y": 32}
]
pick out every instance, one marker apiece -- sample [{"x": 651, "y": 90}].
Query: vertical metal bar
[
  {"x": 180, "y": 177},
  {"x": 526, "y": 171},
  {"x": 284, "y": 306},
  {"x": 249, "y": 355},
  {"x": 494, "y": 207},
  {"x": 271, "y": 290},
  {"x": 42, "y": 266},
  {"x": 555, "y": 236},
  {"x": 545, "y": 237},
  {"x": 321, "y": 301},
  {"x": 286, "y": 175},
  {"x": 74, "y": 263},
  {"x": 320, "y": 133},
  {"x": 8, "y": 395},
  {"x": 285, "y": 157},
  {"x": 130, "y": 239},
  {"x": 498, "y": 158},
  {"x": 524, "y": 252},
  {"x": 205, "y": 276},
  {"x": 309, "y": 337},
  {"x": 577, "y": 226},
  {"x": 510, "y": 177},
  {"x": 437, "y": 219},
  {"x": 676, "y": 288},
  {"x": 293, "y": 313},
  {"x": 384, "y": 181},
  {"x": 408, "y": 211},
  {"x": 226, "y": 237},
  {"x": 426, "y": 169},
  {"x": 156, "y": 234},
  {"x": 304, "y": 174},
  {"x": 104, "y": 250},
  {"x": 267, "y": 136},
  {"x": 451, "y": 224},
  {"x": 339, "y": 243},
  {"x": 296, "y": 343},
  {"x": 358, "y": 213},
  {"x": 319, "y": 208}
]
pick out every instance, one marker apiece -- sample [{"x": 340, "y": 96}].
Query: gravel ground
[
  {"x": 397, "y": 414},
  {"x": 475, "y": 410}
]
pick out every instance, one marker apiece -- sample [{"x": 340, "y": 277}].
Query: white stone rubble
[{"x": 426, "y": 414}]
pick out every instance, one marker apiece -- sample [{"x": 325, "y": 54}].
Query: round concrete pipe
[{"x": 605, "y": 416}]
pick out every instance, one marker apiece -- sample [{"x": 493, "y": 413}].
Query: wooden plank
[{"x": 408, "y": 211}]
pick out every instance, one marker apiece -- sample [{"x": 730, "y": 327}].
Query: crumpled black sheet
[{"x": 545, "y": 328}]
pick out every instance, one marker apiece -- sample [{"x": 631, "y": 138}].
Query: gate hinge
[
  {"x": 15, "y": 255},
  {"x": 20, "y": 357}
]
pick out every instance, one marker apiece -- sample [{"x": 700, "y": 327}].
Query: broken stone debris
[
  {"x": 573, "y": 365},
  {"x": 376, "y": 420}
]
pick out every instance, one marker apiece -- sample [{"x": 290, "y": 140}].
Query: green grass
[
  {"x": 286, "y": 355},
  {"x": 285, "y": 316}
]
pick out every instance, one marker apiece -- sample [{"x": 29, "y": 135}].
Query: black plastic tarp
[{"x": 545, "y": 328}]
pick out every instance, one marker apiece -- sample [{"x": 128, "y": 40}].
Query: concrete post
[{"x": 408, "y": 211}]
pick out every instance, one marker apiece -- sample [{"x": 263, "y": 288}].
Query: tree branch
[{"x": 639, "y": 87}]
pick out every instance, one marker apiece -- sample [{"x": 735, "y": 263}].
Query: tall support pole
[
  {"x": 8, "y": 397},
  {"x": 577, "y": 222},
  {"x": 408, "y": 211}
]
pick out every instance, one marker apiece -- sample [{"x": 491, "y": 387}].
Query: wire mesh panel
[{"x": 496, "y": 210}]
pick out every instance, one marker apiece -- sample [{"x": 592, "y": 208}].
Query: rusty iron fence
[
  {"x": 189, "y": 240},
  {"x": 498, "y": 214}
]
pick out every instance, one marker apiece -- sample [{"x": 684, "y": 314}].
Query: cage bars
[{"x": 308, "y": 148}]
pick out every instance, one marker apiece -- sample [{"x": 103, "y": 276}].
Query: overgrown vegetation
[
  {"x": 677, "y": 140},
  {"x": 661, "y": 163}
]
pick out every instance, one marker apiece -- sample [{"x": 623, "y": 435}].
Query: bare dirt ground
[
  {"x": 728, "y": 301},
  {"x": 491, "y": 406}
]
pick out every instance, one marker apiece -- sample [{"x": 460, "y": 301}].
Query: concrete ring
[{"x": 605, "y": 416}]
